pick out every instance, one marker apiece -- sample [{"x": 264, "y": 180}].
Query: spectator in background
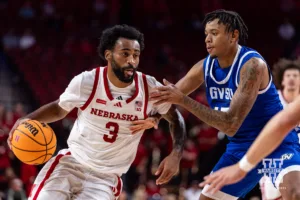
[
  {"x": 163, "y": 56},
  {"x": 287, "y": 33},
  {"x": 188, "y": 161},
  {"x": 8, "y": 121},
  {"x": 19, "y": 111},
  {"x": 296, "y": 53},
  {"x": 69, "y": 23},
  {"x": 287, "y": 5},
  {"x": 86, "y": 47},
  {"x": 2, "y": 113},
  {"x": 99, "y": 6},
  {"x": 3, "y": 4},
  {"x": 164, "y": 21},
  {"x": 140, "y": 193},
  {"x": 159, "y": 139},
  {"x": 4, "y": 164},
  {"x": 7, "y": 175},
  {"x": 15, "y": 191},
  {"x": 69, "y": 45},
  {"x": 152, "y": 190},
  {"x": 27, "y": 40},
  {"x": 209, "y": 5},
  {"x": 28, "y": 174},
  {"x": 286, "y": 30},
  {"x": 48, "y": 8},
  {"x": 10, "y": 40},
  {"x": 137, "y": 171},
  {"x": 26, "y": 11},
  {"x": 195, "y": 22}
]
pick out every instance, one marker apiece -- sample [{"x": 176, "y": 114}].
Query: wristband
[{"x": 245, "y": 165}]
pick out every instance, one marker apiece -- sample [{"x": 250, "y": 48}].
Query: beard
[{"x": 120, "y": 72}]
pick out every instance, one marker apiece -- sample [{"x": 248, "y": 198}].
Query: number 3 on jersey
[{"x": 114, "y": 129}]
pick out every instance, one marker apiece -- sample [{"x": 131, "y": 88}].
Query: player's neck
[
  {"x": 114, "y": 79},
  {"x": 227, "y": 60},
  {"x": 289, "y": 96}
]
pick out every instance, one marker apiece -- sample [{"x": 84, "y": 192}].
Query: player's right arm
[
  {"x": 48, "y": 113},
  {"x": 192, "y": 80},
  {"x": 251, "y": 77},
  {"x": 75, "y": 95}
]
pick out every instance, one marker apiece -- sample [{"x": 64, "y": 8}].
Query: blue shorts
[{"x": 273, "y": 166}]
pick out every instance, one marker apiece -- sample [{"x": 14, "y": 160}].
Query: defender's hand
[
  {"x": 168, "y": 93},
  {"x": 139, "y": 125},
  {"x": 222, "y": 177},
  {"x": 168, "y": 168}
]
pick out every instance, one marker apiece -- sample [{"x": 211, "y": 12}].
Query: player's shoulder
[
  {"x": 151, "y": 80},
  {"x": 86, "y": 77},
  {"x": 146, "y": 76},
  {"x": 248, "y": 51},
  {"x": 251, "y": 56},
  {"x": 90, "y": 72}
]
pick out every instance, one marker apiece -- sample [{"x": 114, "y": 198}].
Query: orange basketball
[{"x": 33, "y": 142}]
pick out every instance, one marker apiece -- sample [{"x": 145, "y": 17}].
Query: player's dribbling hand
[
  {"x": 139, "y": 125},
  {"x": 168, "y": 168},
  {"x": 10, "y": 135},
  {"x": 222, "y": 177},
  {"x": 168, "y": 93}
]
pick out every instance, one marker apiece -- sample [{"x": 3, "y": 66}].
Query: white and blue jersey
[{"x": 221, "y": 84}]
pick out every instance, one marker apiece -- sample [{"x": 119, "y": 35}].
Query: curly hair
[
  {"x": 111, "y": 35},
  {"x": 232, "y": 20},
  {"x": 280, "y": 67}
]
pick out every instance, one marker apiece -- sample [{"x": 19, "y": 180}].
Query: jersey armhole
[
  {"x": 96, "y": 81},
  {"x": 146, "y": 95},
  {"x": 243, "y": 61},
  {"x": 205, "y": 68}
]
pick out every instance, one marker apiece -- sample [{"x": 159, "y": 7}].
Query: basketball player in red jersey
[{"x": 101, "y": 144}]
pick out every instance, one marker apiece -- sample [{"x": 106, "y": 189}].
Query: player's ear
[
  {"x": 235, "y": 36},
  {"x": 107, "y": 54}
]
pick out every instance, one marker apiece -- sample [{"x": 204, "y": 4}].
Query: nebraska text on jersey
[{"x": 112, "y": 115}]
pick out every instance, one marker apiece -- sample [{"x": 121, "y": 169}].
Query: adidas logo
[
  {"x": 118, "y": 104},
  {"x": 119, "y": 98}
]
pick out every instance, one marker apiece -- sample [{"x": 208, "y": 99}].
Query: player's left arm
[
  {"x": 268, "y": 140},
  {"x": 177, "y": 129},
  {"x": 229, "y": 122},
  {"x": 170, "y": 165}
]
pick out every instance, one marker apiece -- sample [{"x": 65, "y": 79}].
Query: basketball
[{"x": 33, "y": 142}]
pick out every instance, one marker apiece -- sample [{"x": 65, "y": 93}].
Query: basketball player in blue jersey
[
  {"x": 242, "y": 100},
  {"x": 276, "y": 130}
]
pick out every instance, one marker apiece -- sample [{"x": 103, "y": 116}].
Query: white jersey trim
[
  {"x": 206, "y": 69},
  {"x": 96, "y": 81},
  {"x": 285, "y": 171},
  {"x": 219, "y": 195},
  {"x": 239, "y": 67},
  {"x": 238, "y": 72},
  {"x": 230, "y": 72}
]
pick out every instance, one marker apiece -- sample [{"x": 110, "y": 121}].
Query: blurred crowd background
[{"x": 45, "y": 43}]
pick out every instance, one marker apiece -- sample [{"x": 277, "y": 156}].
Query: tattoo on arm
[
  {"x": 243, "y": 99},
  {"x": 177, "y": 128}
]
